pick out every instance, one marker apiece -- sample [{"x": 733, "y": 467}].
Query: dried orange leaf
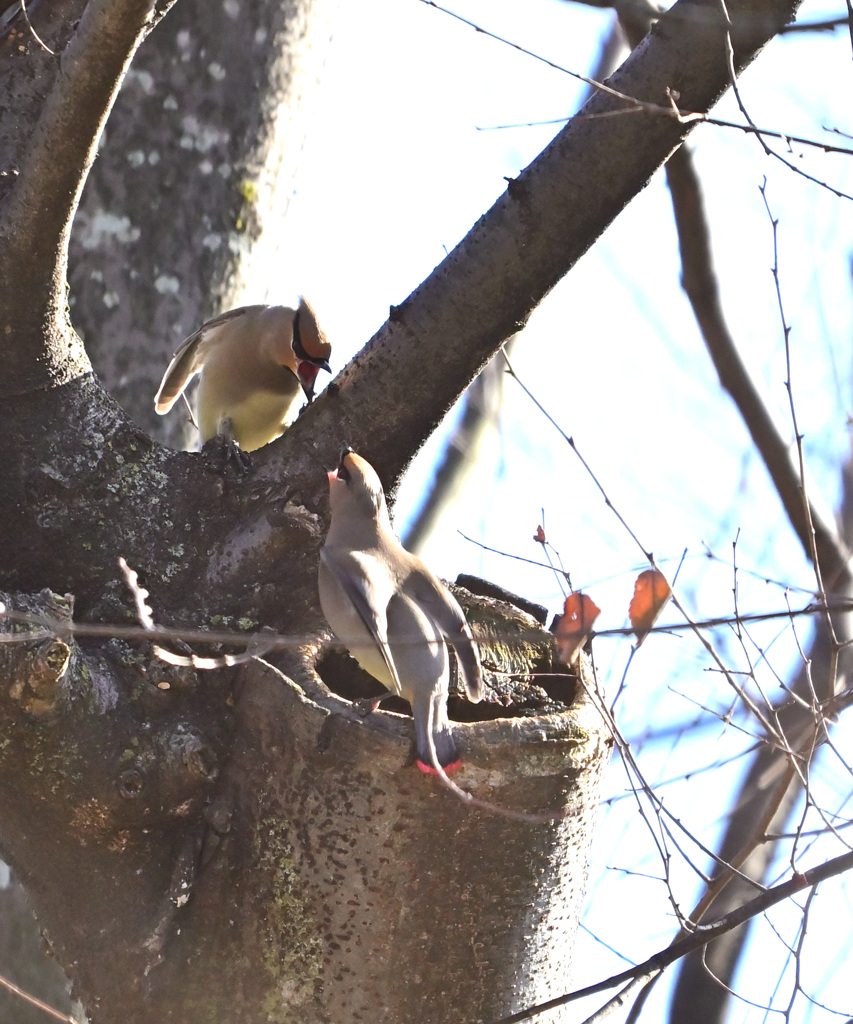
[
  {"x": 575, "y": 625},
  {"x": 539, "y": 536},
  {"x": 651, "y": 592}
]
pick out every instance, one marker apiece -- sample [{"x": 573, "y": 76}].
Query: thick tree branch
[
  {"x": 29, "y": 73},
  {"x": 36, "y": 218},
  {"x": 548, "y": 217}
]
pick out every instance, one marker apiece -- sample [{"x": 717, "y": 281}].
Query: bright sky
[{"x": 395, "y": 171}]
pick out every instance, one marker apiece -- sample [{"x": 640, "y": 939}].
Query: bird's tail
[{"x": 433, "y": 735}]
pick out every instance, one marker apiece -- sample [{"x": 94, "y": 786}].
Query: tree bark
[{"x": 368, "y": 894}]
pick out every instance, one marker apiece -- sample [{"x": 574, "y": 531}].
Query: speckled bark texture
[
  {"x": 240, "y": 844},
  {"x": 369, "y": 891}
]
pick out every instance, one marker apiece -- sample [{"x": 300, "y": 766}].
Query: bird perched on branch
[
  {"x": 256, "y": 363},
  {"x": 396, "y": 618}
]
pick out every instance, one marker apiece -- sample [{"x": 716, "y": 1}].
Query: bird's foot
[
  {"x": 367, "y": 705},
  {"x": 222, "y": 455}
]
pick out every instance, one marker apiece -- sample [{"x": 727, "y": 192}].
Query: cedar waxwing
[
  {"x": 255, "y": 363},
  {"x": 395, "y": 617}
]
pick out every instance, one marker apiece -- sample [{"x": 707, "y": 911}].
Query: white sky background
[{"x": 394, "y": 173}]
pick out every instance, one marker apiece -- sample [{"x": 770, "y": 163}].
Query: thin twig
[
  {"x": 816, "y": 26},
  {"x": 709, "y": 647},
  {"x": 33, "y": 1001},
  {"x": 821, "y": 569},
  {"x": 716, "y": 122},
  {"x": 33, "y": 32},
  {"x": 701, "y": 286},
  {"x": 269, "y": 639}
]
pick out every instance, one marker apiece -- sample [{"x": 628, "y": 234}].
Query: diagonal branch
[{"x": 483, "y": 292}]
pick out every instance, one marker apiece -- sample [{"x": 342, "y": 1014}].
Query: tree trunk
[
  {"x": 303, "y": 875},
  {"x": 369, "y": 892}
]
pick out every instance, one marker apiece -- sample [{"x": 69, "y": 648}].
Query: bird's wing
[
  {"x": 368, "y": 586},
  {"x": 443, "y": 608},
  {"x": 190, "y": 356}
]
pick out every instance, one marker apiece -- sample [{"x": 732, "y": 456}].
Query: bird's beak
[{"x": 306, "y": 373}]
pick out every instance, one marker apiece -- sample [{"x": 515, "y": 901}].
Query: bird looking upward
[{"x": 395, "y": 617}]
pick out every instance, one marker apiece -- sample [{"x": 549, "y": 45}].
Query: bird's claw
[{"x": 222, "y": 454}]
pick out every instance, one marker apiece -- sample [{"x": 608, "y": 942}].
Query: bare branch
[
  {"x": 482, "y": 402},
  {"x": 698, "y": 939},
  {"x": 33, "y": 1001},
  {"x": 700, "y": 283},
  {"x": 829, "y": 25},
  {"x": 767, "y": 794}
]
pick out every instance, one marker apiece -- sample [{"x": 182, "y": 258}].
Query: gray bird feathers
[
  {"x": 256, "y": 363},
  {"x": 396, "y": 618}
]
